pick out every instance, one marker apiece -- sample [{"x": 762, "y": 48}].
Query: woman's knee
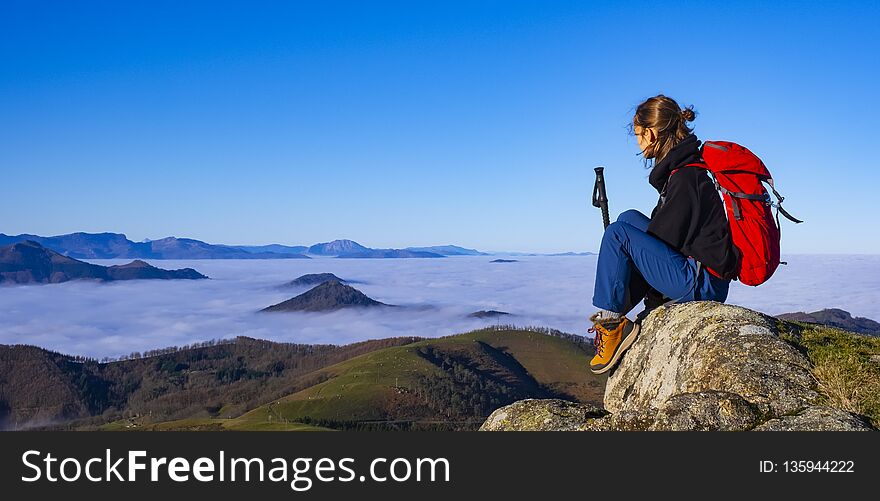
[
  {"x": 634, "y": 218},
  {"x": 616, "y": 233},
  {"x": 628, "y": 215}
]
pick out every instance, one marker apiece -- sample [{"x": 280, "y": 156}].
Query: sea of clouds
[{"x": 113, "y": 319}]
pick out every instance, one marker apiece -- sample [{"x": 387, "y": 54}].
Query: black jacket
[{"x": 690, "y": 214}]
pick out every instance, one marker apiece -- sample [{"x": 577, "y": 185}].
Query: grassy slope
[
  {"x": 367, "y": 387},
  {"x": 846, "y": 366},
  {"x": 382, "y": 385}
]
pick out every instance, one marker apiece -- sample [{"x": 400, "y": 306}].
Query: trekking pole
[{"x": 600, "y": 198}]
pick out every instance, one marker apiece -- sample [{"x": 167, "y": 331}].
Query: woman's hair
[{"x": 668, "y": 119}]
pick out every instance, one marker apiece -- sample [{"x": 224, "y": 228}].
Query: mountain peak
[
  {"x": 137, "y": 263},
  {"x": 27, "y": 244},
  {"x": 336, "y": 247},
  {"x": 327, "y": 296},
  {"x": 312, "y": 279}
]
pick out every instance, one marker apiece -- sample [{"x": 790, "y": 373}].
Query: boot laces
[{"x": 598, "y": 340}]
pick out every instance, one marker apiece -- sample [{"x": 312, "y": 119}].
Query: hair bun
[{"x": 688, "y": 114}]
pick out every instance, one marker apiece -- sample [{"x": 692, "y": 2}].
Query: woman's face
[{"x": 645, "y": 136}]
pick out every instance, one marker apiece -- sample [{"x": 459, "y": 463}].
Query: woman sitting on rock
[{"x": 683, "y": 252}]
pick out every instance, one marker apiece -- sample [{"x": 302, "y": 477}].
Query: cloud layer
[{"x": 117, "y": 318}]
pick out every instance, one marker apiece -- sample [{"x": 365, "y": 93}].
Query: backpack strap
[
  {"x": 763, "y": 198},
  {"x": 737, "y": 212},
  {"x": 735, "y": 194},
  {"x": 778, "y": 205}
]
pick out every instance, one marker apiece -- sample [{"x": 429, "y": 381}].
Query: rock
[
  {"x": 706, "y": 346},
  {"x": 696, "y": 366},
  {"x": 542, "y": 415},
  {"x": 817, "y": 418},
  {"x": 706, "y": 411}
]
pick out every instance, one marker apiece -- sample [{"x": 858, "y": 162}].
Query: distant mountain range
[
  {"x": 352, "y": 249},
  {"x": 835, "y": 317},
  {"x": 82, "y": 245},
  {"x": 492, "y": 253},
  {"x": 29, "y": 262},
  {"x": 272, "y": 249},
  {"x": 117, "y": 246},
  {"x": 448, "y": 250},
  {"x": 389, "y": 253}
]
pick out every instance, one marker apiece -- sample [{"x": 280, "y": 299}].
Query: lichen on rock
[
  {"x": 542, "y": 415},
  {"x": 706, "y": 410},
  {"x": 706, "y": 346},
  {"x": 817, "y": 418}
]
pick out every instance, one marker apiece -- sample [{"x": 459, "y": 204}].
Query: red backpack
[{"x": 739, "y": 175}]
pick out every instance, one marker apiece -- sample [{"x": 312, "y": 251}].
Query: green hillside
[
  {"x": 248, "y": 384},
  {"x": 40, "y": 388},
  {"x": 446, "y": 383}
]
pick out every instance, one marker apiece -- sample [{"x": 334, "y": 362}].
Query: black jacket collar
[{"x": 686, "y": 152}]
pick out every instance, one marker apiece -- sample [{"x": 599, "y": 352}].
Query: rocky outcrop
[
  {"x": 543, "y": 415},
  {"x": 696, "y": 366},
  {"x": 816, "y": 418},
  {"x": 709, "y": 347}
]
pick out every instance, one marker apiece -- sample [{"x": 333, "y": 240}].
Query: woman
[{"x": 684, "y": 252}]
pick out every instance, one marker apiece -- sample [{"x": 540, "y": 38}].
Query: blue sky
[{"x": 416, "y": 123}]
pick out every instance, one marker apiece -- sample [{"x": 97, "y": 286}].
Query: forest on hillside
[{"x": 43, "y": 388}]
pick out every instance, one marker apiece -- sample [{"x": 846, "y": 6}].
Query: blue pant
[{"x": 631, "y": 261}]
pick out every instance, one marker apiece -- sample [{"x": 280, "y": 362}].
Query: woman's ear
[{"x": 652, "y": 138}]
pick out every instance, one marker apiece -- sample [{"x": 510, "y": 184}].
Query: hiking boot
[{"x": 613, "y": 337}]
